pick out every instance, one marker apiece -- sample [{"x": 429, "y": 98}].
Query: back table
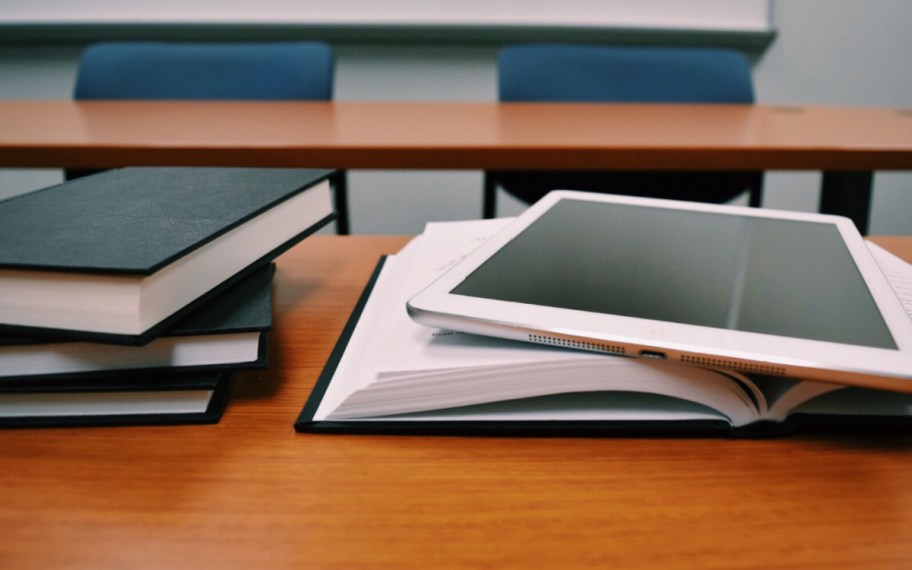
[{"x": 846, "y": 143}]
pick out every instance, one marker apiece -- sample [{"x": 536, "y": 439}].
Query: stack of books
[{"x": 133, "y": 295}]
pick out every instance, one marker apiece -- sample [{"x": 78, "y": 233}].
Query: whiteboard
[{"x": 711, "y": 15}]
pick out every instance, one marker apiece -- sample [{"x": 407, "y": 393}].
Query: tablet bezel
[{"x": 890, "y": 369}]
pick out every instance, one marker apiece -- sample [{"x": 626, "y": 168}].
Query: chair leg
[
  {"x": 74, "y": 173},
  {"x": 340, "y": 196},
  {"x": 489, "y": 197}
]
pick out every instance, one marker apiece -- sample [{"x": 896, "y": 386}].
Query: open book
[{"x": 391, "y": 375}]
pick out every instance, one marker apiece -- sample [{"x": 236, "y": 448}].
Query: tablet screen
[{"x": 779, "y": 277}]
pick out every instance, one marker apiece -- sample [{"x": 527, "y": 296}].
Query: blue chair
[
  {"x": 211, "y": 71},
  {"x": 580, "y": 73}
]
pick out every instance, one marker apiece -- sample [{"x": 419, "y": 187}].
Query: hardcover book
[
  {"x": 228, "y": 331},
  {"x": 122, "y": 255},
  {"x": 129, "y": 399},
  {"x": 388, "y": 374}
]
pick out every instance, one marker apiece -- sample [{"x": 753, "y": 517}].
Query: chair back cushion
[
  {"x": 233, "y": 71},
  {"x": 589, "y": 73},
  {"x": 584, "y": 73}
]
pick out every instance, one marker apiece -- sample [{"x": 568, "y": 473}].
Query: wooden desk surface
[
  {"x": 251, "y": 493},
  {"x": 407, "y": 135}
]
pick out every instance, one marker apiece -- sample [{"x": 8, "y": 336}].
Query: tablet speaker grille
[
  {"x": 579, "y": 344},
  {"x": 734, "y": 365}
]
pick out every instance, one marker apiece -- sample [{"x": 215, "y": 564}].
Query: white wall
[
  {"x": 841, "y": 52},
  {"x": 846, "y": 52},
  {"x": 34, "y": 73}
]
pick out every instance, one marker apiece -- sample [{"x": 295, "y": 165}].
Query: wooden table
[
  {"x": 847, "y": 144},
  {"x": 251, "y": 493}
]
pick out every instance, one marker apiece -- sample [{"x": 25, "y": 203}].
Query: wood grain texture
[
  {"x": 249, "y": 492},
  {"x": 432, "y": 135}
]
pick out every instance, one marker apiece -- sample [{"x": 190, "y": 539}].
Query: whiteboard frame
[{"x": 739, "y": 23}]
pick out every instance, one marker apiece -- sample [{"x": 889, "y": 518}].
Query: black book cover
[
  {"x": 135, "y": 221},
  {"x": 247, "y": 306},
  {"x": 218, "y": 383}
]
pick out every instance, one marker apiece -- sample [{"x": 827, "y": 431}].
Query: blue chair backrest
[
  {"x": 235, "y": 71},
  {"x": 582, "y": 73}
]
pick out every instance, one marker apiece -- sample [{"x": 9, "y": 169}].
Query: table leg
[
  {"x": 340, "y": 203},
  {"x": 489, "y": 197},
  {"x": 848, "y": 194}
]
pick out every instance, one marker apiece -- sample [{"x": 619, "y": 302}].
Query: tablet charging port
[{"x": 653, "y": 354}]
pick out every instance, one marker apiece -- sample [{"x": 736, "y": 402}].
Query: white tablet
[{"x": 755, "y": 290}]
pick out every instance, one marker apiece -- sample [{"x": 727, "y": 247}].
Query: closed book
[
  {"x": 390, "y": 375},
  {"x": 122, "y": 255},
  {"x": 130, "y": 399},
  {"x": 228, "y": 331}
]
